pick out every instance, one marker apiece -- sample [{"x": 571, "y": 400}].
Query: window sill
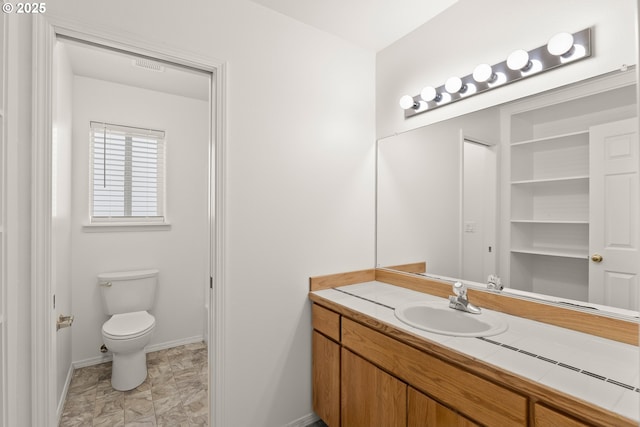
[{"x": 109, "y": 227}]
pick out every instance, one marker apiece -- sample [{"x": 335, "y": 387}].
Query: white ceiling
[
  {"x": 372, "y": 24},
  {"x": 117, "y": 67}
]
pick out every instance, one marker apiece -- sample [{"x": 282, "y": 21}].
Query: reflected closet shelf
[
  {"x": 556, "y": 252},
  {"x": 551, "y": 180},
  {"x": 553, "y": 138},
  {"x": 548, "y": 221}
]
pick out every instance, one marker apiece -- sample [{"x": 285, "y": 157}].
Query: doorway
[
  {"x": 52, "y": 268},
  {"x": 132, "y": 100},
  {"x": 478, "y": 210}
]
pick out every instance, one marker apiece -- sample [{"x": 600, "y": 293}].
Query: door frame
[
  {"x": 489, "y": 262},
  {"x": 45, "y": 32}
]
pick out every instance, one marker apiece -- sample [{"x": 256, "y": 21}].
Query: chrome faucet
[
  {"x": 460, "y": 301},
  {"x": 494, "y": 283}
]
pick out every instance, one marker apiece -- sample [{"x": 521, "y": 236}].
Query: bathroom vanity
[{"x": 371, "y": 369}]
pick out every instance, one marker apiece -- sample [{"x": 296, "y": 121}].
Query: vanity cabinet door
[
  {"x": 545, "y": 417},
  {"x": 326, "y": 379},
  {"x": 423, "y": 411},
  {"x": 370, "y": 396}
]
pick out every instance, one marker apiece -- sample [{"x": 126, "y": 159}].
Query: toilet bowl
[
  {"x": 126, "y": 335},
  {"x": 126, "y": 297}
]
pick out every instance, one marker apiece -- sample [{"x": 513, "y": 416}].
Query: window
[{"x": 127, "y": 174}]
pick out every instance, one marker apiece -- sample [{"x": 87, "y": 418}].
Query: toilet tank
[{"x": 128, "y": 291}]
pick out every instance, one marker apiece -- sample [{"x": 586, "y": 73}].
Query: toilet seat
[{"x": 127, "y": 326}]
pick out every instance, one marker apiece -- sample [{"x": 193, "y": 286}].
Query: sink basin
[{"x": 437, "y": 317}]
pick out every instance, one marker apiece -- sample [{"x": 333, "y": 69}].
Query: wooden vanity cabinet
[
  {"x": 361, "y": 378},
  {"x": 483, "y": 401},
  {"x": 365, "y": 378}
]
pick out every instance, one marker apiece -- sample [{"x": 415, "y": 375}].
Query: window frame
[{"x": 114, "y": 222}]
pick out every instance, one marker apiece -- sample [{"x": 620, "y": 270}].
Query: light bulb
[
  {"x": 429, "y": 93},
  {"x": 518, "y": 60},
  {"x": 560, "y": 44},
  {"x": 483, "y": 73},
  {"x": 407, "y": 102},
  {"x": 454, "y": 85}
]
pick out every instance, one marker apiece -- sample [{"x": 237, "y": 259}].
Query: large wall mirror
[{"x": 542, "y": 192}]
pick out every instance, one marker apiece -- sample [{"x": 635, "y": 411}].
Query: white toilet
[{"x": 127, "y": 296}]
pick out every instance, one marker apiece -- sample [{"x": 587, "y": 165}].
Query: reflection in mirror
[
  {"x": 479, "y": 203},
  {"x": 419, "y": 192},
  {"x": 542, "y": 192}
]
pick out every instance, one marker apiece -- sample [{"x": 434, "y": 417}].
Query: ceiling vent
[{"x": 148, "y": 65}]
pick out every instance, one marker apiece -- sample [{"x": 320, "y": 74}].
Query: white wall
[
  {"x": 181, "y": 253},
  {"x": 300, "y": 178},
  {"x": 61, "y": 206},
  {"x": 472, "y": 32}
]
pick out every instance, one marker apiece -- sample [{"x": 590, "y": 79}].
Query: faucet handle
[
  {"x": 460, "y": 289},
  {"x": 494, "y": 283}
]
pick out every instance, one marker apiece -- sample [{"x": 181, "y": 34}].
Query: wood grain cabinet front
[
  {"x": 422, "y": 411},
  {"x": 546, "y": 417},
  {"x": 326, "y": 322},
  {"x": 483, "y": 401},
  {"x": 370, "y": 396},
  {"x": 326, "y": 379}
]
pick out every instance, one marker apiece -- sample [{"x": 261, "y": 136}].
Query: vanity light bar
[{"x": 562, "y": 49}]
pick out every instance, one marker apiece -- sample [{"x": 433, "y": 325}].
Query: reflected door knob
[{"x": 596, "y": 258}]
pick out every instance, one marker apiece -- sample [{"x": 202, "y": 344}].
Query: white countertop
[{"x": 603, "y": 372}]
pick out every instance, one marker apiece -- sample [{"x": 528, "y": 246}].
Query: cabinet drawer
[
  {"x": 326, "y": 321},
  {"x": 479, "y": 399}
]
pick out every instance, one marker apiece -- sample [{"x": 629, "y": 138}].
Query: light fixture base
[{"x": 502, "y": 75}]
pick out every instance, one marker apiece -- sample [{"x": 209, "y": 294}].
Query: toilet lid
[{"x": 128, "y": 325}]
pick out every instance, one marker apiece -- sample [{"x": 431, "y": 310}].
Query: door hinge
[
  {"x": 210, "y": 282},
  {"x": 54, "y": 301}
]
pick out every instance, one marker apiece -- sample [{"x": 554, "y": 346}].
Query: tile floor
[{"x": 174, "y": 393}]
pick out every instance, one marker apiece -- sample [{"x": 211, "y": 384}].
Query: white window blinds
[{"x": 127, "y": 174}]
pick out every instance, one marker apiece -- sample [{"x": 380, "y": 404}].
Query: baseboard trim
[
  {"x": 65, "y": 391},
  {"x": 107, "y": 357},
  {"x": 92, "y": 361},
  {"x": 174, "y": 343},
  {"x": 304, "y": 421}
]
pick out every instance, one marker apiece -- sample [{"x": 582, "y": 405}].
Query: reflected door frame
[{"x": 484, "y": 226}]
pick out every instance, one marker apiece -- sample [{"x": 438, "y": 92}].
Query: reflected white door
[
  {"x": 479, "y": 207},
  {"x": 613, "y": 214}
]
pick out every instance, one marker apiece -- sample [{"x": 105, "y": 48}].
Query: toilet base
[{"x": 129, "y": 370}]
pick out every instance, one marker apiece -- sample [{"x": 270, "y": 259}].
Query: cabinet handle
[{"x": 596, "y": 258}]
